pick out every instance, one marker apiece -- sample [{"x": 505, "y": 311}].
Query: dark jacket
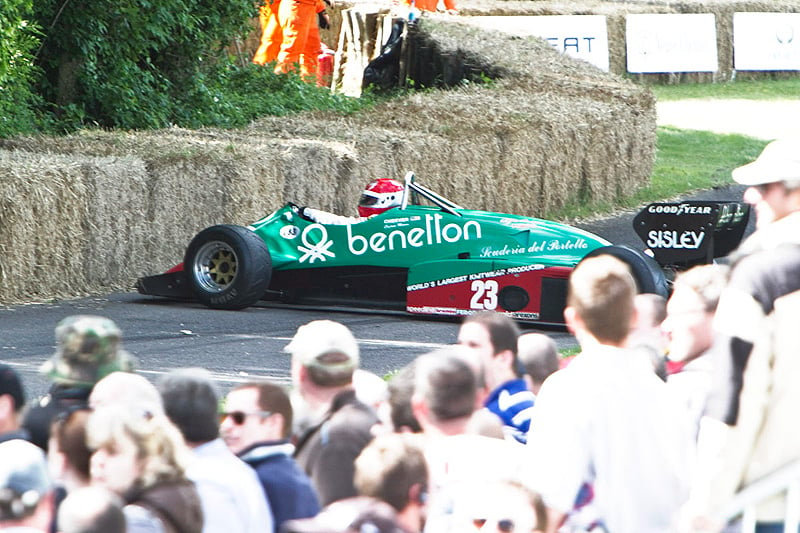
[
  {"x": 175, "y": 504},
  {"x": 42, "y": 411},
  {"x": 289, "y": 490},
  {"x": 327, "y": 451}
]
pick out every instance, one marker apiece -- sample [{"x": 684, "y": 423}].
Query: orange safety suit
[
  {"x": 296, "y": 17},
  {"x": 431, "y": 5},
  {"x": 422, "y": 5},
  {"x": 309, "y": 59},
  {"x": 450, "y": 5},
  {"x": 271, "y": 33}
]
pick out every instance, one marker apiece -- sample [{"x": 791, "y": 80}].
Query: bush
[
  {"x": 133, "y": 64},
  {"x": 232, "y": 95},
  {"x": 145, "y": 64},
  {"x": 18, "y": 42}
]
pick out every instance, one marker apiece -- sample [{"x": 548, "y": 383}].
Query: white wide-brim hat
[{"x": 779, "y": 161}]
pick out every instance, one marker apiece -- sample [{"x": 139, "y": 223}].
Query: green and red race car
[{"x": 430, "y": 256}]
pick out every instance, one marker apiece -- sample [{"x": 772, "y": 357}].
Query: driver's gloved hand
[{"x": 305, "y": 212}]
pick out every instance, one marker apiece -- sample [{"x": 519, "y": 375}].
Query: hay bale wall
[
  {"x": 615, "y": 12},
  {"x": 103, "y": 208},
  {"x": 79, "y": 221}
]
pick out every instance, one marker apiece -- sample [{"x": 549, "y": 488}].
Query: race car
[{"x": 427, "y": 256}]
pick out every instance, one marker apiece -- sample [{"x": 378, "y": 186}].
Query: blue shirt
[
  {"x": 289, "y": 490},
  {"x": 513, "y": 403}
]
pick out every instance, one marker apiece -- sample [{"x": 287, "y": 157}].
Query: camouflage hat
[{"x": 87, "y": 349}]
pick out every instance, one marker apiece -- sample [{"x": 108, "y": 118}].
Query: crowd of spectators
[{"x": 670, "y": 409}]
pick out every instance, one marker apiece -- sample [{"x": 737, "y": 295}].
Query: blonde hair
[
  {"x": 601, "y": 290},
  {"x": 158, "y": 442},
  {"x": 707, "y": 281},
  {"x": 389, "y": 466}
]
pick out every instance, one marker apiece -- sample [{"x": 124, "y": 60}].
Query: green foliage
[
  {"x": 689, "y": 160},
  {"x": 18, "y": 41},
  {"x": 234, "y": 95},
  {"x": 143, "y": 64},
  {"x": 132, "y": 63}
]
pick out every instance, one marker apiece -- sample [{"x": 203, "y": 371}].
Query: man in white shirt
[
  {"x": 607, "y": 421},
  {"x": 443, "y": 402},
  {"x": 689, "y": 328},
  {"x": 231, "y": 495}
]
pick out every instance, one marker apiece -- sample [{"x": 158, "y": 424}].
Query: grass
[
  {"x": 686, "y": 161},
  {"x": 689, "y": 160},
  {"x": 787, "y": 89}
]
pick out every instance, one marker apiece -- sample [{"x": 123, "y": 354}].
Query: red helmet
[{"x": 380, "y": 195}]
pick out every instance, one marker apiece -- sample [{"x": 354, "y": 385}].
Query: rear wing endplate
[{"x": 684, "y": 234}]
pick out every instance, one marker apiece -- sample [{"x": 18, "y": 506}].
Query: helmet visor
[{"x": 368, "y": 200}]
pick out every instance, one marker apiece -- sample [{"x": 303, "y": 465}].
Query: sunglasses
[
  {"x": 506, "y": 525},
  {"x": 238, "y": 417}
]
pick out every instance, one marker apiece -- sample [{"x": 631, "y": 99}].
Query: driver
[{"x": 380, "y": 195}]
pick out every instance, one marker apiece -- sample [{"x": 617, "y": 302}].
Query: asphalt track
[
  {"x": 238, "y": 345},
  {"x": 233, "y": 345}
]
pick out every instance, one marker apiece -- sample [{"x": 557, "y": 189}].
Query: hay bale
[
  {"x": 42, "y": 226},
  {"x": 115, "y": 232},
  {"x": 522, "y": 154}
]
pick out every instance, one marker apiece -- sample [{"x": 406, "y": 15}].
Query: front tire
[
  {"x": 646, "y": 271},
  {"x": 229, "y": 267}
]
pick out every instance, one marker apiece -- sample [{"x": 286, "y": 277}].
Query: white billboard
[
  {"x": 658, "y": 43},
  {"x": 766, "y": 41},
  {"x": 579, "y": 36}
]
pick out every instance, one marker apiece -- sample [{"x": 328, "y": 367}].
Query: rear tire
[
  {"x": 229, "y": 267},
  {"x": 646, "y": 271}
]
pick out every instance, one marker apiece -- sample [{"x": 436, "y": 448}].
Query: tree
[
  {"x": 134, "y": 64},
  {"x": 18, "y": 42}
]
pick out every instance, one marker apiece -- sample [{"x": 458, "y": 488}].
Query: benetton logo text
[{"x": 432, "y": 233}]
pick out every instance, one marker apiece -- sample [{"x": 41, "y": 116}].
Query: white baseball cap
[
  {"x": 321, "y": 337},
  {"x": 24, "y": 478},
  {"x": 779, "y": 161}
]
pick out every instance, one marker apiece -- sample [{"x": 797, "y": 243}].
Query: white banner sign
[
  {"x": 671, "y": 43},
  {"x": 579, "y": 36},
  {"x": 766, "y": 41}
]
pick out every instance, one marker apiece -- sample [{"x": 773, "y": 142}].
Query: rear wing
[{"x": 685, "y": 234}]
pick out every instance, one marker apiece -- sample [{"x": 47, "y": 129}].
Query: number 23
[{"x": 484, "y": 294}]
